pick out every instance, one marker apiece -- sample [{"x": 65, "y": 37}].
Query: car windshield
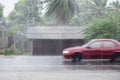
[{"x": 85, "y": 45}]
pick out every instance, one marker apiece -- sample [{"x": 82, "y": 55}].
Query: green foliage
[
  {"x": 103, "y": 28},
  {"x": 106, "y": 26},
  {"x": 17, "y": 29},
  {"x": 15, "y": 51},
  {"x": 98, "y": 6},
  {"x": 26, "y": 13},
  {"x": 9, "y": 52},
  {"x": 75, "y": 21},
  {"x": 63, "y": 10},
  {"x": 1, "y": 11},
  {"x": 115, "y": 4},
  {"x": 24, "y": 52},
  {"x": 100, "y": 3},
  {"x": 91, "y": 10}
]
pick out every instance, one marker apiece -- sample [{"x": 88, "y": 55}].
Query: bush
[
  {"x": 103, "y": 28},
  {"x": 9, "y": 52}
]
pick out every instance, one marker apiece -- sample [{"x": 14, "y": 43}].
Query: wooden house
[{"x": 51, "y": 40}]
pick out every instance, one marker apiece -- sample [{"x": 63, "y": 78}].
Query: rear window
[{"x": 108, "y": 44}]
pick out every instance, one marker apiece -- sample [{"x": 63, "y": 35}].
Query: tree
[
  {"x": 79, "y": 18},
  {"x": 103, "y": 28},
  {"x": 1, "y": 11},
  {"x": 90, "y": 10},
  {"x": 26, "y": 13},
  {"x": 62, "y": 10},
  {"x": 106, "y": 26},
  {"x": 75, "y": 21},
  {"x": 97, "y": 7},
  {"x": 113, "y": 13},
  {"x": 115, "y": 4}
]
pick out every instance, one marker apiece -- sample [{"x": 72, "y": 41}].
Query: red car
[{"x": 94, "y": 49}]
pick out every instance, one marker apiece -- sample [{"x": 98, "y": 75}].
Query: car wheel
[
  {"x": 76, "y": 57},
  {"x": 116, "y": 57}
]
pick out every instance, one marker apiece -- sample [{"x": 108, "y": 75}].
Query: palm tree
[
  {"x": 114, "y": 15},
  {"x": 62, "y": 10},
  {"x": 115, "y": 5},
  {"x": 97, "y": 7},
  {"x": 114, "y": 11}
]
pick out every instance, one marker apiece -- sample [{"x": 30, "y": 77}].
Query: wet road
[
  {"x": 60, "y": 75},
  {"x": 52, "y": 63}
]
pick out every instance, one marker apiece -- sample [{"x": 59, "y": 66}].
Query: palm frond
[
  {"x": 116, "y": 4},
  {"x": 52, "y": 6}
]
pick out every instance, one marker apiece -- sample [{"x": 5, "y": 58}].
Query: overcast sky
[{"x": 9, "y": 5}]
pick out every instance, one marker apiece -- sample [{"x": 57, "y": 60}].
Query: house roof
[{"x": 55, "y": 32}]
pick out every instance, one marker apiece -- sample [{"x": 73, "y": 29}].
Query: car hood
[{"x": 73, "y": 48}]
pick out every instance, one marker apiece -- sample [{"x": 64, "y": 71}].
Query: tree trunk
[{"x": 61, "y": 19}]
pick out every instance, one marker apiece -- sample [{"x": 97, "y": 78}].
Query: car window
[
  {"x": 108, "y": 44},
  {"x": 96, "y": 45}
]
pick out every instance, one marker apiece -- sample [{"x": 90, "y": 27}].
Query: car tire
[
  {"x": 116, "y": 57},
  {"x": 76, "y": 57}
]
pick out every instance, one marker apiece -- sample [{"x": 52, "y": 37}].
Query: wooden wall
[{"x": 53, "y": 47}]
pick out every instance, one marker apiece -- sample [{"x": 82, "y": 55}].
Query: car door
[
  {"x": 108, "y": 49},
  {"x": 93, "y": 51}
]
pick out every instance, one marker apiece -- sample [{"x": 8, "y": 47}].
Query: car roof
[{"x": 104, "y": 40}]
